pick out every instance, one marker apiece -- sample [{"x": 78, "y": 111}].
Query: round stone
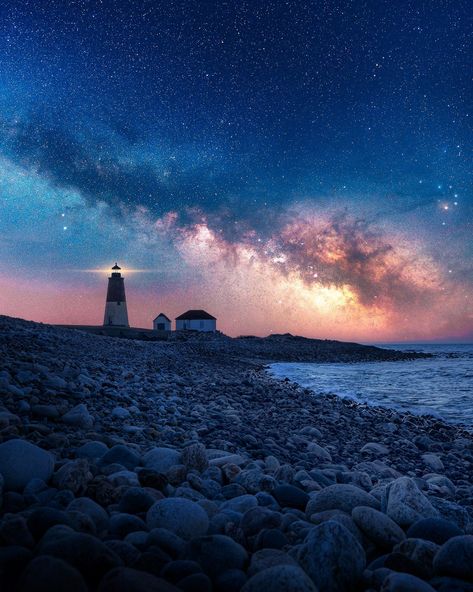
[
  {"x": 436, "y": 530},
  {"x": 21, "y": 461},
  {"x": 378, "y": 527},
  {"x": 179, "y": 515},
  {"x": 281, "y": 578},
  {"x": 455, "y": 558}
]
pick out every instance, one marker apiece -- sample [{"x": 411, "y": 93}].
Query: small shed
[
  {"x": 196, "y": 320},
  {"x": 162, "y": 323}
]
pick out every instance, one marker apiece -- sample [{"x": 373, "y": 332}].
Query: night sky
[{"x": 295, "y": 166}]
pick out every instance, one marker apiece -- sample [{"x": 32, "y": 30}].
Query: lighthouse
[{"x": 115, "y": 306}]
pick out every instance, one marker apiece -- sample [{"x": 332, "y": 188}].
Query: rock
[
  {"x": 74, "y": 476},
  {"x": 375, "y": 449},
  {"x": 433, "y": 462},
  {"x": 270, "y": 538},
  {"x": 266, "y": 558},
  {"x": 319, "y": 451},
  {"x": 120, "y": 413},
  {"x": 403, "y": 582},
  {"x": 14, "y": 531},
  {"x": 195, "y": 457},
  {"x": 135, "y": 500},
  {"x": 42, "y": 519},
  {"x": 455, "y": 558},
  {"x": 195, "y": 583},
  {"x": 127, "y": 552},
  {"x": 167, "y": 540},
  {"x": 177, "y": 570},
  {"x": 256, "y": 519},
  {"x": 241, "y": 503},
  {"x": 233, "y": 459},
  {"x": 161, "y": 459},
  {"x": 179, "y": 515},
  {"x": 85, "y": 552},
  {"x": 92, "y": 450},
  {"x": 378, "y": 527},
  {"x": 289, "y": 496},
  {"x": 125, "y": 579},
  {"x": 420, "y": 555},
  {"x": 50, "y": 574},
  {"x": 46, "y": 411},
  {"x": 216, "y": 554},
  {"x": 92, "y": 509},
  {"x": 21, "y": 461},
  {"x": 281, "y": 578},
  {"x": 123, "y": 524},
  {"x": 406, "y": 503},
  {"x": 436, "y": 530},
  {"x": 332, "y": 557},
  {"x": 340, "y": 497},
  {"x": 78, "y": 416},
  {"x": 253, "y": 480},
  {"x": 230, "y": 581},
  {"x": 123, "y": 455}
]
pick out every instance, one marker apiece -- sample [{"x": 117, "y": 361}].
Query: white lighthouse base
[{"x": 116, "y": 314}]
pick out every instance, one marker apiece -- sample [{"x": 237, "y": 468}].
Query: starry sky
[{"x": 289, "y": 166}]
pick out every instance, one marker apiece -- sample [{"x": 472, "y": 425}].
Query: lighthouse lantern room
[{"x": 115, "y": 307}]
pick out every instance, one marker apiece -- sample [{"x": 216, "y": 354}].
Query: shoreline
[{"x": 262, "y": 464}]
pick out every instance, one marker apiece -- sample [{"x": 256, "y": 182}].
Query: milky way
[{"x": 288, "y": 166}]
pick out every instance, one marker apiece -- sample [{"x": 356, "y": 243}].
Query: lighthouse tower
[{"x": 115, "y": 307}]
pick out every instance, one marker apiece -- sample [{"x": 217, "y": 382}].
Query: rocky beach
[{"x": 182, "y": 465}]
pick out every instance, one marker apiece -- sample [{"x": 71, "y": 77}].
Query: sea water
[{"x": 441, "y": 386}]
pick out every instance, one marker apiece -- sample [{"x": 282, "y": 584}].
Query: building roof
[
  {"x": 116, "y": 266},
  {"x": 161, "y": 314},
  {"x": 195, "y": 315}
]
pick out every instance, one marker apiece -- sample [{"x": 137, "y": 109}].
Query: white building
[
  {"x": 196, "y": 320},
  {"x": 162, "y": 323}
]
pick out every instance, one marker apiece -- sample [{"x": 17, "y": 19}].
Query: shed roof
[
  {"x": 195, "y": 315},
  {"x": 161, "y": 314}
]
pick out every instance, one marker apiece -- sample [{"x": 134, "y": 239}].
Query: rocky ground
[{"x": 183, "y": 466}]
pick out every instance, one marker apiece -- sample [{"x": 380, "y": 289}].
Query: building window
[{"x": 160, "y": 326}]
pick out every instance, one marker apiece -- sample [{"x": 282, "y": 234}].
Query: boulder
[
  {"x": 455, "y": 558},
  {"x": 50, "y": 574},
  {"x": 332, "y": 557},
  {"x": 161, "y": 459},
  {"x": 281, "y": 578},
  {"x": 406, "y": 503},
  {"x": 404, "y": 582},
  {"x": 125, "y": 579},
  {"x": 122, "y": 455},
  {"x": 378, "y": 527},
  {"x": 74, "y": 476},
  {"x": 21, "y": 461},
  {"x": 216, "y": 554},
  {"x": 179, "y": 515},
  {"x": 266, "y": 558},
  {"x": 343, "y": 497},
  {"x": 78, "y": 416},
  {"x": 436, "y": 530},
  {"x": 289, "y": 496}
]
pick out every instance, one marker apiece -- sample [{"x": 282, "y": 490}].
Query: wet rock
[
  {"x": 21, "y": 461},
  {"x": 179, "y": 515},
  {"x": 332, "y": 557},
  {"x": 378, "y": 527},
  {"x": 281, "y": 578}
]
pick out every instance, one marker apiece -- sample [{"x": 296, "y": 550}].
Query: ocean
[{"x": 441, "y": 386}]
